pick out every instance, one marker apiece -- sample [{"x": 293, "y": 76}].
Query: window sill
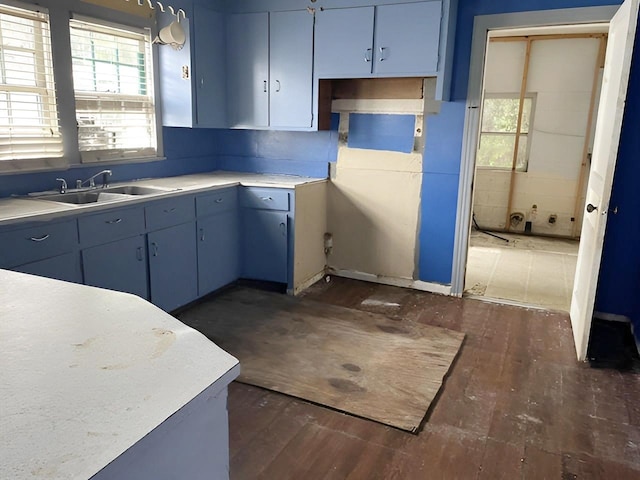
[{"x": 42, "y": 165}]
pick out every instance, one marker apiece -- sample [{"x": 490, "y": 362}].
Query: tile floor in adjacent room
[
  {"x": 516, "y": 405},
  {"x": 531, "y": 270}
]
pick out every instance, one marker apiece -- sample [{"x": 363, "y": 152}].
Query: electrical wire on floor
[{"x": 475, "y": 224}]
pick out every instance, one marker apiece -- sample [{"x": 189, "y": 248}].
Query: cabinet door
[
  {"x": 173, "y": 266},
  {"x": 344, "y": 42},
  {"x": 210, "y": 73},
  {"x": 407, "y": 37},
  {"x": 248, "y": 69},
  {"x": 264, "y": 245},
  {"x": 119, "y": 265},
  {"x": 291, "y": 69},
  {"x": 217, "y": 251},
  {"x": 63, "y": 267}
]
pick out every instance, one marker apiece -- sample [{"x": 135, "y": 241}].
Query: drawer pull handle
[
  {"x": 155, "y": 249},
  {"x": 219, "y": 200},
  {"x": 283, "y": 227},
  {"x": 367, "y": 55},
  {"x": 202, "y": 234},
  {"x": 111, "y": 222},
  {"x": 139, "y": 253},
  {"x": 40, "y": 239},
  {"x": 267, "y": 199},
  {"x": 170, "y": 210}
]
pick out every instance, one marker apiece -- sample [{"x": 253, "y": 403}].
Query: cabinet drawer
[
  {"x": 112, "y": 225},
  {"x": 265, "y": 198},
  {"x": 169, "y": 212},
  {"x": 216, "y": 202},
  {"x": 37, "y": 242}
]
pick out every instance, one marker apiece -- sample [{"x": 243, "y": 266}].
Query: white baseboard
[
  {"x": 306, "y": 284},
  {"x": 393, "y": 281}
]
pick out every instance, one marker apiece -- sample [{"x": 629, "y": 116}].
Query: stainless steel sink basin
[
  {"x": 80, "y": 198},
  {"x": 110, "y": 194},
  {"x": 134, "y": 190}
]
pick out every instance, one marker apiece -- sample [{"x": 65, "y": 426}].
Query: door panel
[
  {"x": 248, "y": 69},
  {"x": 407, "y": 38},
  {"x": 344, "y": 42},
  {"x": 291, "y": 69},
  {"x": 605, "y": 149},
  {"x": 264, "y": 241}
]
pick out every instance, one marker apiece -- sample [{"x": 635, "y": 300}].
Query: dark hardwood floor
[{"x": 516, "y": 404}]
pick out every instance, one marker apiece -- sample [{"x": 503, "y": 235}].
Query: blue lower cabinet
[
  {"x": 119, "y": 265},
  {"x": 218, "y": 263},
  {"x": 63, "y": 267},
  {"x": 264, "y": 245},
  {"x": 173, "y": 266}
]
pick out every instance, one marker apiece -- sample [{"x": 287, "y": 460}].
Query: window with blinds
[
  {"x": 113, "y": 91},
  {"x": 29, "y": 125}
]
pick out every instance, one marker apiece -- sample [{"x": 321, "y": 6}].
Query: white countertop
[
  {"x": 88, "y": 372},
  {"x": 14, "y": 210}
]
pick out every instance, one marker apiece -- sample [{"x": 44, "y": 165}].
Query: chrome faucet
[
  {"x": 63, "y": 185},
  {"x": 92, "y": 184}
]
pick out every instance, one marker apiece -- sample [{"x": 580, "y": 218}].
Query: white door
[{"x": 605, "y": 149}]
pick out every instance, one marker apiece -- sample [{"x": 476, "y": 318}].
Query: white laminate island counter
[{"x": 101, "y": 384}]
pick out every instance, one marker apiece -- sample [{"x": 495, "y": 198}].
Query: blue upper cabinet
[
  {"x": 248, "y": 69},
  {"x": 291, "y": 69},
  {"x": 407, "y": 38},
  {"x": 193, "y": 79},
  {"x": 388, "y": 40},
  {"x": 344, "y": 42},
  {"x": 270, "y": 62}
]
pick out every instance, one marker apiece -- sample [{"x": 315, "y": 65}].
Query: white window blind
[
  {"x": 113, "y": 91},
  {"x": 29, "y": 127}
]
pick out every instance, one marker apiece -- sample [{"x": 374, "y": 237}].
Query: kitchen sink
[
  {"x": 100, "y": 195},
  {"x": 134, "y": 190}
]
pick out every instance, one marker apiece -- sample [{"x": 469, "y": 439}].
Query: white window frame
[
  {"x": 509, "y": 96},
  {"x": 60, "y": 12}
]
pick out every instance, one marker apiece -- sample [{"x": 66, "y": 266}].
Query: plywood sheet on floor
[{"x": 362, "y": 363}]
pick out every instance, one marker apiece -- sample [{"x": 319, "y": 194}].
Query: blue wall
[
  {"x": 619, "y": 282},
  {"x": 445, "y": 135},
  {"x": 187, "y": 151},
  {"x": 264, "y": 151}
]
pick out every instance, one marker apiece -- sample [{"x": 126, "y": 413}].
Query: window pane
[
  {"x": 20, "y": 68},
  {"x": 501, "y": 115},
  {"x": 114, "y": 95},
  {"x": 29, "y": 126},
  {"x": 496, "y": 151}
]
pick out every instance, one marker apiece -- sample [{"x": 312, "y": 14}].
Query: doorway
[{"x": 538, "y": 108}]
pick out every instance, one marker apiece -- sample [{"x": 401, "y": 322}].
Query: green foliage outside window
[{"x": 498, "y": 133}]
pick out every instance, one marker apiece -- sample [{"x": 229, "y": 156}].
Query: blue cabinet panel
[
  {"x": 111, "y": 225},
  {"x": 169, "y": 212},
  {"x": 344, "y": 42},
  {"x": 218, "y": 251},
  {"x": 173, "y": 266},
  {"x": 248, "y": 69},
  {"x": 63, "y": 267},
  {"x": 217, "y": 202},
  {"x": 25, "y": 245},
  {"x": 264, "y": 245},
  {"x": 290, "y": 69},
  {"x": 407, "y": 38},
  {"x": 264, "y": 198},
  {"x": 209, "y": 67},
  {"x": 119, "y": 265}
]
